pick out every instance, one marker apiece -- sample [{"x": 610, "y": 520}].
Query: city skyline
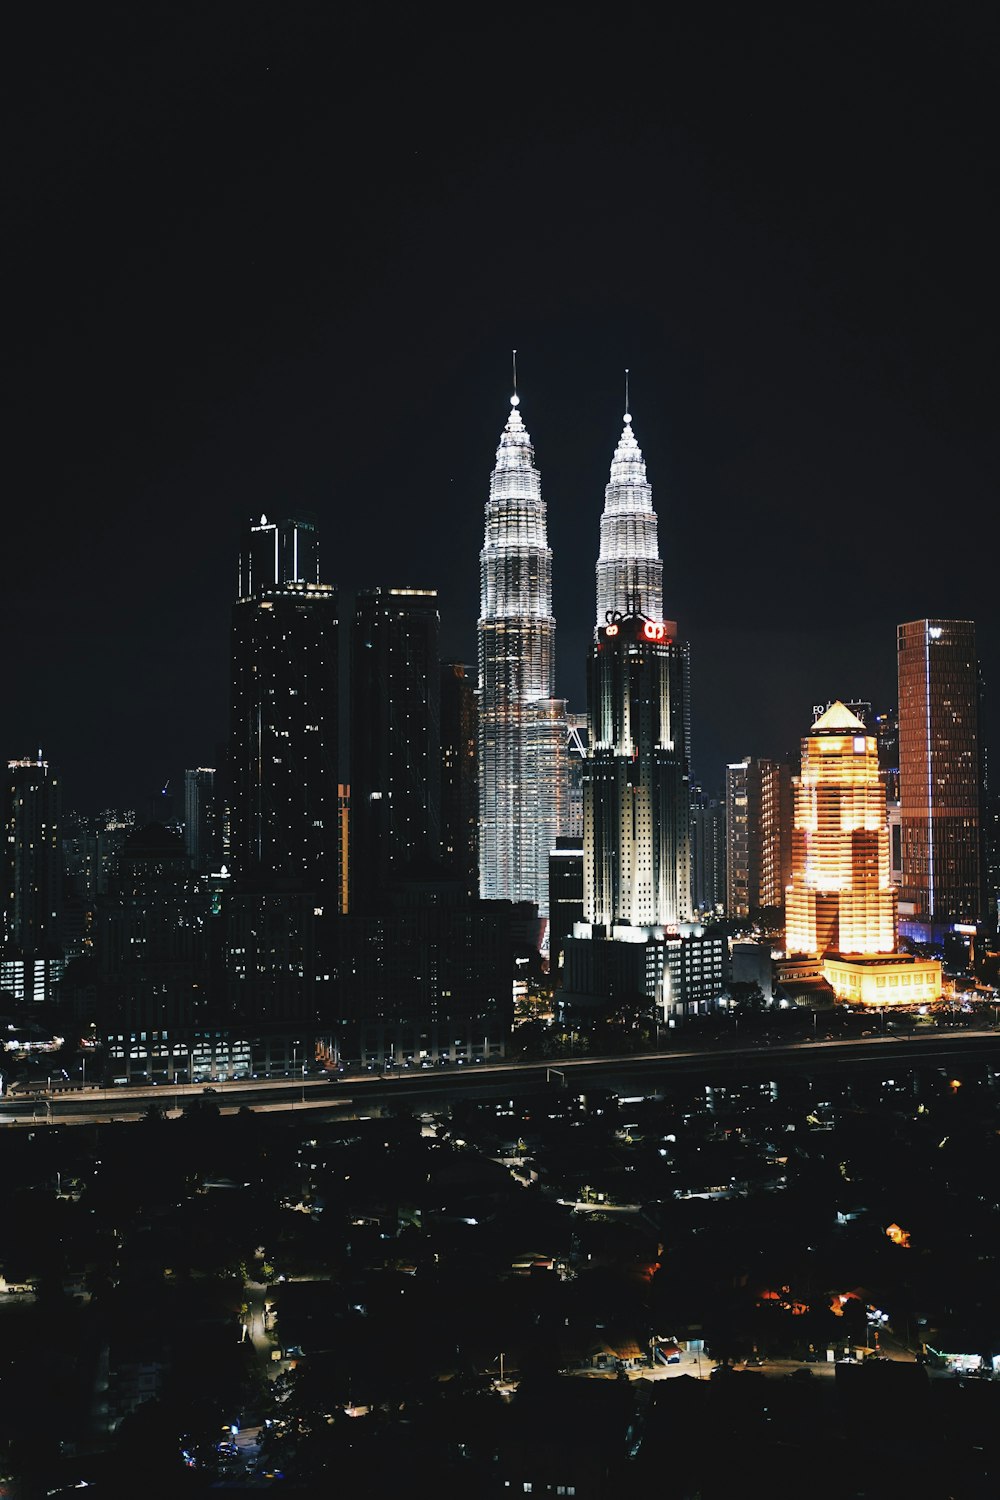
[
  {"x": 801, "y": 312},
  {"x": 460, "y": 1008}
]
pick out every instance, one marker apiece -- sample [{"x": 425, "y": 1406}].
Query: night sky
[{"x": 274, "y": 258}]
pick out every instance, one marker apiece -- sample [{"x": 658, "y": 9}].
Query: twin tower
[{"x": 636, "y": 838}]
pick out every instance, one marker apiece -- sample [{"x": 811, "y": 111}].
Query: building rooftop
[{"x": 838, "y": 719}]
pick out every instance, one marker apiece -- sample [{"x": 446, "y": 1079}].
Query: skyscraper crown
[
  {"x": 837, "y": 717},
  {"x": 629, "y": 570}
]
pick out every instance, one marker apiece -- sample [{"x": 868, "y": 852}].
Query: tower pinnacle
[{"x": 629, "y": 570}]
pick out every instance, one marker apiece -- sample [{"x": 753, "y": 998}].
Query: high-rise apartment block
[
  {"x": 395, "y": 737},
  {"x": 940, "y": 779},
  {"x": 31, "y": 956},
  {"x": 738, "y": 839},
  {"x": 522, "y": 729},
  {"x": 284, "y": 719}
]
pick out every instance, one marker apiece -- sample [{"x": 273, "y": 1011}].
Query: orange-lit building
[
  {"x": 841, "y": 897},
  {"x": 841, "y": 903}
]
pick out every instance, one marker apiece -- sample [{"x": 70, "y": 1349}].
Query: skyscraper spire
[
  {"x": 521, "y": 726},
  {"x": 629, "y": 570}
]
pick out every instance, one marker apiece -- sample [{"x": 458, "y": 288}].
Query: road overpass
[{"x": 370, "y": 1093}]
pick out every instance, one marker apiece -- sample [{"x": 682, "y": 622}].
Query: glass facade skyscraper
[
  {"x": 940, "y": 778},
  {"x": 284, "y": 718}
]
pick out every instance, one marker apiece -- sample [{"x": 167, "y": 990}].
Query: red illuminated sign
[
  {"x": 611, "y": 630},
  {"x": 654, "y": 630}
]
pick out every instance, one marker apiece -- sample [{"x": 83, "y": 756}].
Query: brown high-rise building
[
  {"x": 759, "y": 817},
  {"x": 940, "y": 779}
]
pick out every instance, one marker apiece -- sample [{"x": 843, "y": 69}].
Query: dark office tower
[
  {"x": 202, "y": 823},
  {"x": 395, "y": 738},
  {"x": 636, "y": 800},
  {"x": 283, "y": 741},
  {"x": 708, "y": 853},
  {"x": 459, "y": 784},
  {"x": 153, "y": 940},
  {"x": 886, "y": 726},
  {"x": 80, "y": 885},
  {"x": 565, "y": 895},
  {"x": 992, "y": 842},
  {"x": 32, "y": 960},
  {"x": 940, "y": 780}
]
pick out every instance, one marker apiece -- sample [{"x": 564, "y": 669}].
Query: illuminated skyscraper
[
  {"x": 841, "y": 898},
  {"x": 637, "y": 820},
  {"x": 283, "y": 728},
  {"x": 636, "y": 798},
  {"x": 940, "y": 779},
  {"x": 522, "y": 728}
]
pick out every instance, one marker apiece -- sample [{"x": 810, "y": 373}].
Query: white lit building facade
[
  {"x": 637, "y": 934},
  {"x": 522, "y": 727},
  {"x": 629, "y": 568}
]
